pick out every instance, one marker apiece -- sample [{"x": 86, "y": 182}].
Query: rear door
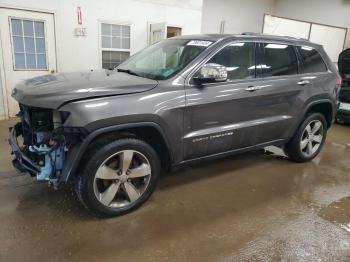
[
  {"x": 282, "y": 95},
  {"x": 315, "y": 70}
]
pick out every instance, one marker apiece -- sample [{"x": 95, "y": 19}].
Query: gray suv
[{"x": 179, "y": 101}]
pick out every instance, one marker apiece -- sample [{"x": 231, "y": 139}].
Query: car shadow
[{"x": 64, "y": 203}]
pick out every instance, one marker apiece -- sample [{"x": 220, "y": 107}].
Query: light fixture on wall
[{"x": 222, "y": 26}]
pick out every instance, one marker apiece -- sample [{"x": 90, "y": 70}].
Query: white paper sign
[{"x": 200, "y": 43}]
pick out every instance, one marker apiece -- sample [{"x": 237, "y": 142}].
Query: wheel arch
[
  {"x": 324, "y": 107},
  {"x": 149, "y": 132}
]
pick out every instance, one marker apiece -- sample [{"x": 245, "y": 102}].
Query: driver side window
[{"x": 239, "y": 60}]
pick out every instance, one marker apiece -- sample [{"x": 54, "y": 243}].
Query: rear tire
[
  {"x": 308, "y": 140},
  {"x": 118, "y": 178}
]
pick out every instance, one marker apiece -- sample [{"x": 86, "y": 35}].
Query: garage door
[
  {"x": 28, "y": 48},
  {"x": 331, "y": 37}
]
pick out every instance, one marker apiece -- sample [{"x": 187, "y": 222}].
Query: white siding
[
  {"x": 335, "y": 12},
  {"x": 239, "y": 16},
  {"x": 77, "y": 53}
]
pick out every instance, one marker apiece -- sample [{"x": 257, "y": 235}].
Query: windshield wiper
[{"x": 128, "y": 71}]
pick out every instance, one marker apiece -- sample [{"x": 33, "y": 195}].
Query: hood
[
  {"x": 344, "y": 64},
  {"x": 51, "y": 91}
]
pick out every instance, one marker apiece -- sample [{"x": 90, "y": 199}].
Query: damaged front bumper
[
  {"x": 46, "y": 162},
  {"x": 21, "y": 162}
]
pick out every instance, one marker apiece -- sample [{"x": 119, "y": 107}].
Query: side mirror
[{"x": 211, "y": 73}]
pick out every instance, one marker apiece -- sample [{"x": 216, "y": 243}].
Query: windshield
[{"x": 164, "y": 59}]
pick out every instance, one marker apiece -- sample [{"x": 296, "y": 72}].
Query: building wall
[
  {"x": 247, "y": 16},
  {"x": 137, "y": 13},
  {"x": 335, "y": 12},
  {"x": 83, "y": 53},
  {"x": 239, "y": 16}
]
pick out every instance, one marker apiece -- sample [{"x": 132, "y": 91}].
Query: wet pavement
[{"x": 253, "y": 207}]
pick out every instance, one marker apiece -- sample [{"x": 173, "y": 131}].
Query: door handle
[
  {"x": 303, "y": 82},
  {"x": 253, "y": 88}
]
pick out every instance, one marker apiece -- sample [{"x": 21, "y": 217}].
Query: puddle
[{"x": 338, "y": 212}]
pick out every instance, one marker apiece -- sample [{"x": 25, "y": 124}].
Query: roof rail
[
  {"x": 250, "y": 33},
  {"x": 276, "y": 36}
]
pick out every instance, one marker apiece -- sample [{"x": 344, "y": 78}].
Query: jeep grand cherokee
[{"x": 179, "y": 101}]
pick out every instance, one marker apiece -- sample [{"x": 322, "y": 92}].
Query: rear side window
[
  {"x": 239, "y": 60},
  {"x": 311, "y": 60},
  {"x": 279, "y": 60}
]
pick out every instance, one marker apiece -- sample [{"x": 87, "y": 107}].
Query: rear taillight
[{"x": 339, "y": 81}]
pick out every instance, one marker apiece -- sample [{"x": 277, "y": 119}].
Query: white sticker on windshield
[{"x": 200, "y": 43}]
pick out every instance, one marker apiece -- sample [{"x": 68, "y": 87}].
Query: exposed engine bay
[{"x": 45, "y": 142}]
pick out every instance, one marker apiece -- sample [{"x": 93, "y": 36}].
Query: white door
[
  {"x": 332, "y": 39},
  {"x": 28, "y": 48},
  {"x": 286, "y": 27},
  {"x": 158, "y": 32},
  {"x": 3, "y": 113}
]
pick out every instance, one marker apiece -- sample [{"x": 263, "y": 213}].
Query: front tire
[
  {"x": 308, "y": 140},
  {"x": 119, "y": 177}
]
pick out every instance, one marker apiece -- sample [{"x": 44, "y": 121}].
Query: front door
[
  {"x": 217, "y": 114},
  {"x": 28, "y": 48}
]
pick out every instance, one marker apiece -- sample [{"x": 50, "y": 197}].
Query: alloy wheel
[
  {"x": 122, "y": 178},
  {"x": 311, "y": 138}
]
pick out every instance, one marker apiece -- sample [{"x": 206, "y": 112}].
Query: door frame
[
  {"x": 3, "y": 83},
  {"x": 149, "y": 23},
  {"x": 181, "y": 27},
  {"x": 149, "y": 28}
]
